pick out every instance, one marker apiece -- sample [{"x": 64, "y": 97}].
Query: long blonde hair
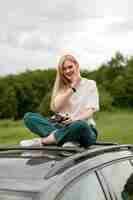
[{"x": 61, "y": 82}]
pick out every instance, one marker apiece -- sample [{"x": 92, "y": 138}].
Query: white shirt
[{"x": 86, "y": 96}]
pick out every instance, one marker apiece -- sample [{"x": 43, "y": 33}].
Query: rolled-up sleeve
[{"x": 92, "y": 96}]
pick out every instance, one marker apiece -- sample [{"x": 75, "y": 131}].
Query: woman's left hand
[{"x": 67, "y": 121}]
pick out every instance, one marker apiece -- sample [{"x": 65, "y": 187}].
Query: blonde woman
[{"x": 76, "y": 99}]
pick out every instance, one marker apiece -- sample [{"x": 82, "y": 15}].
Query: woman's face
[{"x": 69, "y": 69}]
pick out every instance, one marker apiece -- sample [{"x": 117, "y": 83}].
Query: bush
[
  {"x": 44, "y": 107},
  {"x": 106, "y": 100}
]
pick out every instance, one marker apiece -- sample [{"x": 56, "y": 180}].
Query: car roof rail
[
  {"x": 105, "y": 143},
  {"x": 51, "y": 152},
  {"x": 70, "y": 161},
  {"x": 49, "y": 148},
  {"x": 64, "y": 151}
]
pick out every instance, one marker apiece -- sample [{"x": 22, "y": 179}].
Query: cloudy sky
[{"x": 35, "y": 33}]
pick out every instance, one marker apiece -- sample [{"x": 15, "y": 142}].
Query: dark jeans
[{"x": 78, "y": 131}]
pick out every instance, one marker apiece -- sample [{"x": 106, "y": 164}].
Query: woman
[{"x": 73, "y": 96}]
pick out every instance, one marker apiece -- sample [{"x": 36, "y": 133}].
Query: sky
[{"x": 34, "y": 34}]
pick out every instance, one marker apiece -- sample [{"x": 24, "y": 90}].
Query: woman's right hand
[{"x": 75, "y": 79}]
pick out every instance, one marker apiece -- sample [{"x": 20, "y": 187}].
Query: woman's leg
[
  {"x": 78, "y": 131},
  {"x": 38, "y": 124}
]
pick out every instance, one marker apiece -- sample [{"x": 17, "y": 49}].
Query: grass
[
  {"x": 114, "y": 126},
  {"x": 12, "y": 132}
]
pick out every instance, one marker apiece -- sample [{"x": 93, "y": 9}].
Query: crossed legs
[{"x": 50, "y": 133}]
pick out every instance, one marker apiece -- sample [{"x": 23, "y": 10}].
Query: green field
[{"x": 112, "y": 126}]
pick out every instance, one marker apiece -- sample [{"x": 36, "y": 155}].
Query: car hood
[
  {"x": 22, "y": 185},
  {"x": 24, "y": 169}
]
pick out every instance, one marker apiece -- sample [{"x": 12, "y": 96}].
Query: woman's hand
[
  {"x": 68, "y": 120},
  {"x": 75, "y": 79}
]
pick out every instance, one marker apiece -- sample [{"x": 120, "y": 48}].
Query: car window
[
  {"x": 119, "y": 176},
  {"x": 87, "y": 187}
]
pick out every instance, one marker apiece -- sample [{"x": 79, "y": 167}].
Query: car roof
[{"x": 37, "y": 165}]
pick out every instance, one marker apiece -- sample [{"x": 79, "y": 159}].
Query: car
[{"x": 100, "y": 172}]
